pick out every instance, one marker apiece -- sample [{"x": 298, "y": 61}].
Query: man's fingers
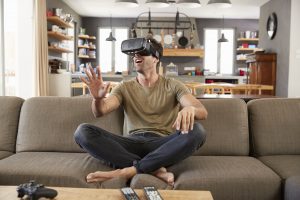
[
  {"x": 192, "y": 118},
  {"x": 84, "y": 80},
  {"x": 183, "y": 123},
  {"x": 106, "y": 87},
  {"x": 92, "y": 72},
  {"x": 90, "y": 77}
]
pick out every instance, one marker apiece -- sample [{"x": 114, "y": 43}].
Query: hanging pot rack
[{"x": 142, "y": 21}]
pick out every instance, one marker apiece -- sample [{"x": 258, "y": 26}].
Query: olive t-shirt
[{"x": 151, "y": 109}]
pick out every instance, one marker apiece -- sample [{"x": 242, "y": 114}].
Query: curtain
[{"x": 41, "y": 48}]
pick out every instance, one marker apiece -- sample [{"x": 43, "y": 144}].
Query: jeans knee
[
  {"x": 198, "y": 134},
  {"x": 82, "y": 133}
]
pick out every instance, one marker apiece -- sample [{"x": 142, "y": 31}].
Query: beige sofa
[{"x": 36, "y": 142}]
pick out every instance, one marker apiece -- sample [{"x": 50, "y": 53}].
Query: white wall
[{"x": 294, "y": 69}]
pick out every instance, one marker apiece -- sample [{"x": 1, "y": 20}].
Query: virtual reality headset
[{"x": 140, "y": 46}]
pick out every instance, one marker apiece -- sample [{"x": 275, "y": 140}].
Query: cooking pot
[{"x": 183, "y": 41}]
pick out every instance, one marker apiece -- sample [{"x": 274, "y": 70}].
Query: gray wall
[{"x": 281, "y": 43}]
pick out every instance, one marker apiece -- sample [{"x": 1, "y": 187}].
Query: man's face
[{"x": 144, "y": 63}]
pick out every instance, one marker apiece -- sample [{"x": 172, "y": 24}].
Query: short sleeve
[
  {"x": 179, "y": 88},
  {"x": 117, "y": 91}
]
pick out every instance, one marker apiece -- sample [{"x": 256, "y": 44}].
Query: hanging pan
[{"x": 183, "y": 41}]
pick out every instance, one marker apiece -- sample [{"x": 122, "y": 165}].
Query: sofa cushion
[
  {"x": 228, "y": 177},
  {"x": 51, "y": 169},
  {"x": 9, "y": 119},
  {"x": 284, "y": 165},
  {"x": 49, "y": 123},
  {"x": 226, "y": 128},
  {"x": 292, "y": 188},
  {"x": 275, "y": 126},
  {"x": 4, "y": 154}
]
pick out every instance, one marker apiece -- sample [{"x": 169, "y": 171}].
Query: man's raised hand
[{"x": 97, "y": 87}]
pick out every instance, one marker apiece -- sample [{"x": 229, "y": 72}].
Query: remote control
[
  {"x": 129, "y": 194},
  {"x": 152, "y": 193}
]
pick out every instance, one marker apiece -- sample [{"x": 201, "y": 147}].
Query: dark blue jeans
[{"x": 146, "y": 151}]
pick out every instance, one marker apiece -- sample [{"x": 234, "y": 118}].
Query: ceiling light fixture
[
  {"x": 189, "y": 3},
  {"x": 157, "y": 3},
  {"x": 111, "y": 38},
  {"x": 220, "y": 3},
  {"x": 127, "y": 3},
  {"x": 223, "y": 39}
]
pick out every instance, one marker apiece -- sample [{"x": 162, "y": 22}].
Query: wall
[
  {"x": 294, "y": 67},
  {"x": 281, "y": 43}
]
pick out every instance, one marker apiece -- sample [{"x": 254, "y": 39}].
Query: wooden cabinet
[{"x": 262, "y": 70}]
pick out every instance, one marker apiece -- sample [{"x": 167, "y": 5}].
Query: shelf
[
  {"x": 59, "y": 50},
  {"x": 85, "y": 57},
  {"x": 59, "y": 36},
  {"x": 58, "y": 21},
  {"x": 87, "y": 37},
  {"x": 246, "y": 49},
  {"x": 184, "y": 52},
  {"x": 248, "y": 39},
  {"x": 82, "y": 46}
]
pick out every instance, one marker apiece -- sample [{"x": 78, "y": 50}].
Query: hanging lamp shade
[
  {"x": 220, "y": 3},
  {"x": 111, "y": 38},
  {"x": 223, "y": 39},
  {"x": 189, "y": 3},
  {"x": 157, "y": 3},
  {"x": 127, "y": 3},
  {"x": 177, "y": 22}
]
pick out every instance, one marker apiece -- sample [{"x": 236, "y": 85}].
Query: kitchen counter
[{"x": 183, "y": 78}]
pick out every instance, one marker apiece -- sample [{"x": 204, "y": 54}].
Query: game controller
[{"x": 35, "y": 191}]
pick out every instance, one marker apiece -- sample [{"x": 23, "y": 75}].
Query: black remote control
[
  {"x": 129, "y": 194},
  {"x": 35, "y": 191},
  {"x": 152, "y": 193}
]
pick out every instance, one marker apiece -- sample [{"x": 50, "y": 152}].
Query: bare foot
[
  {"x": 166, "y": 176},
  {"x": 100, "y": 176}
]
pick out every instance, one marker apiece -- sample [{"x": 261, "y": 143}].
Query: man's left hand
[{"x": 185, "y": 119}]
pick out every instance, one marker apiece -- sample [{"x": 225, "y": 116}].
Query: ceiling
[{"x": 241, "y": 9}]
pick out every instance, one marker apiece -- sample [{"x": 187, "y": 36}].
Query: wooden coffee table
[{"x": 10, "y": 193}]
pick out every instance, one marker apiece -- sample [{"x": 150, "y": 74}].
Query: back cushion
[
  {"x": 226, "y": 128},
  {"x": 49, "y": 123},
  {"x": 275, "y": 126},
  {"x": 9, "y": 118}
]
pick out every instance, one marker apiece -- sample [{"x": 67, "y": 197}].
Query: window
[
  {"x": 111, "y": 58},
  {"x": 219, "y": 56},
  {"x": 17, "y": 71}
]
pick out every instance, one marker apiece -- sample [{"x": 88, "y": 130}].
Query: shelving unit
[
  {"x": 59, "y": 36},
  {"x": 59, "y": 22},
  {"x": 86, "y": 44},
  {"x": 243, "y": 47},
  {"x": 59, "y": 50}
]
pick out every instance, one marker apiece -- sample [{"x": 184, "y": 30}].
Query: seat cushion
[
  {"x": 284, "y": 165},
  {"x": 51, "y": 169},
  {"x": 4, "y": 154},
  {"x": 10, "y": 108},
  {"x": 274, "y": 126},
  {"x": 292, "y": 188},
  {"x": 226, "y": 128},
  {"x": 228, "y": 177},
  {"x": 49, "y": 123}
]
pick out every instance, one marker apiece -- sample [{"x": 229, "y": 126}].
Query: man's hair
[{"x": 156, "y": 45}]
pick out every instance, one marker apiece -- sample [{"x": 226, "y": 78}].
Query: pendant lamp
[
  {"x": 127, "y": 3},
  {"x": 220, "y": 3},
  {"x": 111, "y": 38},
  {"x": 189, "y": 3},
  {"x": 223, "y": 39},
  {"x": 157, "y": 3}
]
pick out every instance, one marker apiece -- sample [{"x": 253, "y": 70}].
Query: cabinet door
[
  {"x": 252, "y": 73},
  {"x": 265, "y": 75}
]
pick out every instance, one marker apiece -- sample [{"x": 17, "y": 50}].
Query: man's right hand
[{"x": 97, "y": 87}]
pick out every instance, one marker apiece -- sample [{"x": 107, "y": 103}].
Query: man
[{"x": 159, "y": 133}]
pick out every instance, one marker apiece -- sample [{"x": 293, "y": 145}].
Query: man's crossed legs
[{"x": 141, "y": 153}]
